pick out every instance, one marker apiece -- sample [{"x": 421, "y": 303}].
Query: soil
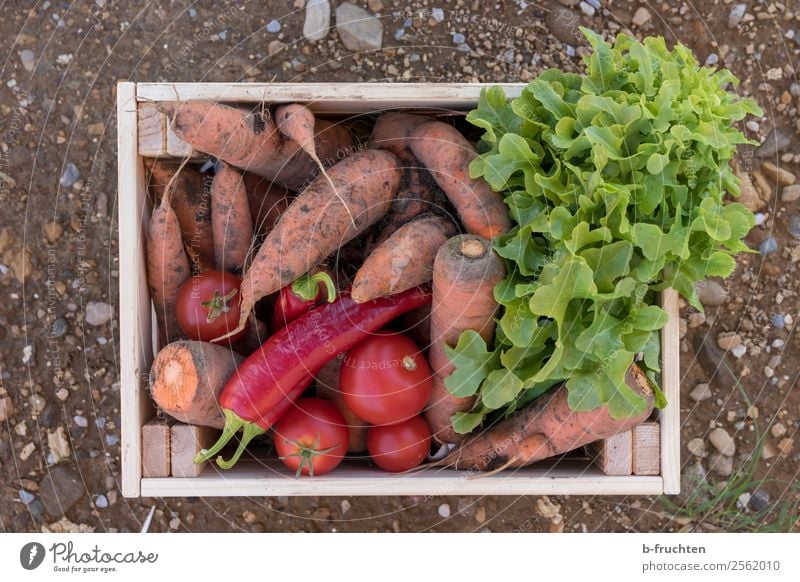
[{"x": 59, "y": 365}]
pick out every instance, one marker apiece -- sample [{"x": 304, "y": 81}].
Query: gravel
[
  {"x": 28, "y": 59},
  {"x": 70, "y": 175},
  {"x": 794, "y": 226},
  {"x": 700, "y": 392},
  {"x": 358, "y": 29},
  {"x": 318, "y": 20},
  {"x": 59, "y": 328},
  {"x": 759, "y": 500},
  {"x": 776, "y": 142},
  {"x": 736, "y": 15},
  {"x": 711, "y": 293},
  {"x": 273, "y": 26},
  {"x": 98, "y": 313},
  {"x": 722, "y": 441},
  {"x": 60, "y": 489},
  {"x": 444, "y": 510},
  {"x": 790, "y": 193},
  {"x": 101, "y": 501},
  {"x": 720, "y": 464}
]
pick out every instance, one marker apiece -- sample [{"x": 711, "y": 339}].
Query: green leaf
[
  {"x": 574, "y": 280},
  {"x": 649, "y": 318},
  {"x": 494, "y": 115},
  {"x": 466, "y": 422},
  {"x": 500, "y": 389},
  {"x": 473, "y": 363}
]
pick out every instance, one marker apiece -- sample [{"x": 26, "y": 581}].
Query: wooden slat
[
  {"x": 670, "y": 417},
  {"x": 156, "y": 448},
  {"x": 254, "y": 479},
  {"x": 187, "y": 440},
  {"x": 330, "y": 98},
  {"x": 156, "y": 138},
  {"x": 134, "y": 300},
  {"x": 613, "y": 455},
  {"x": 647, "y": 449}
]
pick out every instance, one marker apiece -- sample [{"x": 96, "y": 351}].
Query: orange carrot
[
  {"x": 447, "y": 154},
  {"x": 167, "y": 268},
  {"x": 230, "y": 219},
  {"x": 320, "y": 220},
  {"x": 327, "y": 380},
  {"x": 465, "y": 273},
  {"x": 186, "y": 379},
  {"x": 405, "y": 260},
  {"x": 191, "y": 201},
  {"x": 393, "y": 130},
  {"x": 267, "y": 202},
  {"x": 251, "y": 141},
  {"x": 546, "y": 428}
]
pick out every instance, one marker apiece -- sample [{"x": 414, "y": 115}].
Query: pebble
[
  {"x": 769, "y": 451},
  {"x": 459, "y": 38},
  {"x": 778, "y": 321},
  {"x": 587, "y": 8},
  {"x": 744, "y": 500},
  {"x": 273, "y": 47},
  {"x": 722, "y": 465},
  {"x": 786, "y": 445},
  {"x": 560, "y": 22},
  {"x": 790, "y": 193},
  {"x": 736, "y": 15},
  {"x": 775, "y": 143},
  {"x": 60, "y": 489},
  {"x": 794, "y": 226},
  {"x": 728, "y": 341},
  {"x": 399, "y": 33},
  {"x": 358, "y": 29},
  {"x": 739, "y": 351},
  {"x": 112, "y": 439},
  {"x": 697, "y": 447},
  {"x": 696, "y": 319},
  {"x": 26, "y": 497},
  {"x": 28, "y": 355},
  {"x": 438, "y": 14},
  {"x": 98, "y": 313},
  {"x": 318, "y": 20},
  {"x": 753, "y": 126},
  {"x": 375, "y": 5},
  {"x": 59, "y": 328},
  {"x": 768, "y": 245},
  {"x": 444, "y": 510},
  {"x": 778, "y": 343},
  {"x": 70, "y": 176},
  {"x": 273, "y": 26},
  {"x": 80, "y": 421},
  {"x": 39, "y": 402},
  {"x": 192, "y": 13},
  {"x": 641, "y": 16},
  {"x": 722, "y": 441},
  {"x": 101, "y": 502},
  {"x": 761, "y": 218},
  {"x": 6, "y": 408},
  {"x": 759, "y": 501},
  {"x": 778, "y": 430},
  {"x": 700, "y": 392},
  {"x": 781, "y": 176},
  {"x": 712, "y": 60},
  {"x": 58, "y": 444},
  {"x": 711, "y": 293},
  {"x": 345, "y": 505},
  {"x": 249, "y": 517},
  {"x": 62, "y": 394},
  {"x": 28, "y": 59}
]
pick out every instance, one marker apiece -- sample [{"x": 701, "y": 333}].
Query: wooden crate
[{"x": 143, "y": 133}]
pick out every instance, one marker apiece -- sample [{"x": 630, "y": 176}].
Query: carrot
[
  {"x": 327, "y": 380},
  {"x": 186, "y": 380},
  {"x": 393, "y": 130},
  {"x": 167, "y": 268},
  {"x": 251, "y": 141},
  {"x": 191, "y": 201},
  {"x": 465, "y": 273},
  {"x": 546, "y": 428},
  {"x": 447, "y": 154},
  {"x": 230, "y": 219},
  {"x": 267, "y": 202},
  {"x": 320, "y": 220},
  {"x": 405, "y": 260}
]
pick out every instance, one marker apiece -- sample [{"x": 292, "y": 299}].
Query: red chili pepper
[
  {"x": 268, "y": 382},
  {"x": 301, "y": 296}
]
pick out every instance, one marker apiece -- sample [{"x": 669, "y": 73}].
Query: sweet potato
[
  {"x": 327, "y": 381},
  {"x": 447, "y": 155},
  {"x": 546, "y": 428},
  {"x": 405, "y": 260},
  {"x": 187, "y": 377},
  {"x": 251, "y": 141},
  {"x": 230, "y": 219},
  {"x": 465, "y": 272}
]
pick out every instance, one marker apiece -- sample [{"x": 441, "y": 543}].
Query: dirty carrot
[
  {"x": 230, "y": 219},
  {"x": 267, "y": 201},
  {"x": 465, "y": 273}
]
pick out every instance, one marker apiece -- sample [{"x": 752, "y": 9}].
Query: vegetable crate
[{"x": 644, "y": 461}]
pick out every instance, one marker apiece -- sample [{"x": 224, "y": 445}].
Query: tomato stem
[
  {"x": 307, "y": 286},
  {"x": 409, "y": 363},
  {"x": 219, "y": 304},
  {"x": 307, "y": 454}
]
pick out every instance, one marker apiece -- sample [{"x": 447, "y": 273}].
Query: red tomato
[
  {"x": 399, "y": 447},
  {"x": 209, "y": 305},
  {"x": 312, "y": 438},
  {"x": 385, "y": 379}
]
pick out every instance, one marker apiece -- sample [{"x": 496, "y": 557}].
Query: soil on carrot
[{"x": 59, "y": 274}]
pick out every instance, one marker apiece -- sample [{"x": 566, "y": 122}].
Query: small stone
[
  {"x": 778, "y": 321},
  {"x": 70, "y": 176},
  {"x": 720, "y": 464},
  {"x": 768, "y": 451},
  {"x": 743, "y": 501},
  {"x": 736, "y": 15},
  {"x": 768, "y": 372},
  {"x": 28, "y": 355},
  {"x": 697, "y": 447},
  {"x": 62, "y": 394},
  {"x": 248, "y": 516},
  {"x": 712, "y": 60},
  {"x": 318, "y": 20},
  {"x": 459, "y": 38},
  {"x": 587, "y": 8},
  {"x": 53, "y": 231},
  {"x": 273, "y": 26},
  {"x": 98, "y": 313},
  {"x": 641, "y": 16},
  {"x": 759, "y": 501},
  {"x": 6, "y": 408},
  {"x": 700, "y": 392},
  {"x": 696, "y": 319},
  {"x": 438, "y": 14},
  {"x": 778, "y": 343},
  {"x": 38, "y": 402},
  {"x": 739, "y": 351},
  {"x": 59, "y": 328},
  {"x": 345, "y": 506},
  {"x": 561, "y": 22},
  {"x": 790, "y": 193},
  {"x": 753, "y": 126},
  {"x": 711, "y": 293},
  {"x": 358, "y": 29},
  {"x": 26, "y": 497},
  {"x": 768, "y": 245},
  {"x": 728, "y": 340},
  {"x": 60, "y": 490},
  {"x": 794, "y": 226},
  {"x": 548, "y": 509},
  {"x": 775, "y": 143},
  {"x": 722, "y": 441},
  {"x": 28, "y": 59},
  {"x": 786, "y": 445},
  {"x": 375, "y": 5},
  {"x": 80, "y": 421},
  {"x": 779, "y": 175},
  {"x": 112, "y": 439},
  {"x": 174, "y": 523},
  {"x": 58, "y": 444},
  {"x": 748, "y": 195},
  {"x": 444, "y": 510},
  {"x": 778, "y": 430},
  {"x": 101, "y": 502},
  {"x": 480, "y": 514}
]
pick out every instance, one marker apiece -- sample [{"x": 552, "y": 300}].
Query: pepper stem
[
  {"x": 232, "y": 425},
  {"x": 251, "y": 430},
  {"x": 307, "y": 286}
]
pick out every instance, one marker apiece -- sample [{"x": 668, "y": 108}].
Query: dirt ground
[{"x": 59, "y": 368}]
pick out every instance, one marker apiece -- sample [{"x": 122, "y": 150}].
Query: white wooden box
[{"x": 140, "y": 133}]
